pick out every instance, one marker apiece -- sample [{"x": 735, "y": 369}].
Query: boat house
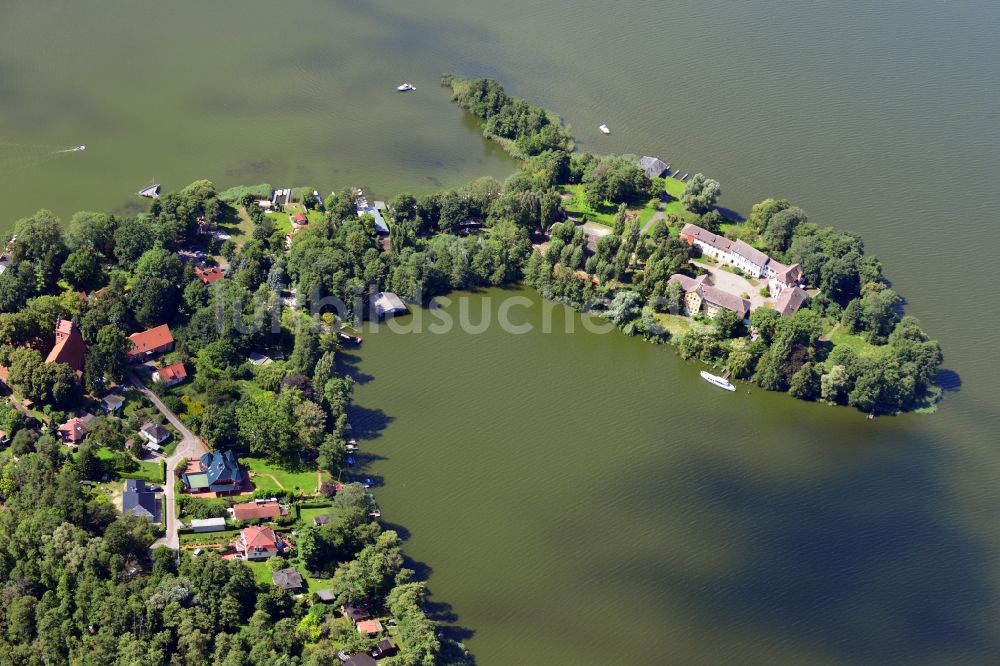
[{"x": 387, "y": 304}]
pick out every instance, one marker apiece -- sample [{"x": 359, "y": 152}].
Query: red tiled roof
[
  {"x": 73, "y": 431},
  {"x": 208, "y": 275},
  {"x": 253, "y": 510},
  {"x": 4, "y": 374},
  {"x": 69, "y": 347},
  {"x": 300, "y": 218},
  {"x": 259, "y": 537},
  {"x": 172, "y": 373},
  {"x": 150, "y": 340}
]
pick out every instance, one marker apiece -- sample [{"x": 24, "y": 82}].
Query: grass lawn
[
  {"x": 678, "y": 324},
  {"x": 841, "y": 338},
  {"x": 262, "y": 572},
  {"x": 220, "y": 538},
  {"x": 299, "y": 480},
  {"x": 578, "y": 206}
]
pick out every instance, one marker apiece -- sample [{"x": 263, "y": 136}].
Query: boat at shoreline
[
  {"x": 715, "y": 380},
  {"x": 151, "y": 191},
  {"x": 406, "y": 87}
]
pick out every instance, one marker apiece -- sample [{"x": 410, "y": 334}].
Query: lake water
[{"x": 586, "y": 498}]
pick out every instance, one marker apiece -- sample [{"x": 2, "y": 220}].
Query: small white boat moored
[
  {"x": 605, "y": 129},
  {"x": 717, "y": 381},
  {"x": 406, "y": 87}
]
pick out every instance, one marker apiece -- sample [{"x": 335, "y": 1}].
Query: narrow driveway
[{"x": 189, "y": 447}]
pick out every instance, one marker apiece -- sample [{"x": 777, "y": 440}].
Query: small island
[{"x": 172, "y": 380}]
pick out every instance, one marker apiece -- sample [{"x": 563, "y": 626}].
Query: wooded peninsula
[{"x": 169, "y": 383}]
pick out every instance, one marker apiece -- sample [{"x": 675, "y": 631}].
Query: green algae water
[{"x": 585, "y": 498}]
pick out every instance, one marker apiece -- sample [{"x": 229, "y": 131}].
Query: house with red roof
[
  {"x": 148, "y": 343},
  {"x": 208, "y": 275},
  {"x": 72, "y": 432},
  {"x": 258, "y": 543},
  {"x": 261, "y": 509},
  {"x": 69, "y": 348},
  {"x": 170, "y": 374}
]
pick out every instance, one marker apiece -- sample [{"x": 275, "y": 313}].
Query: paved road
[{"x": 189, "y": 447}]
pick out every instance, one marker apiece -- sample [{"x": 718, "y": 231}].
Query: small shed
[
  {"x": 112, "y": 402},
  {"x": 325, "y": 597},
  {"x": 208, "y": 524}
]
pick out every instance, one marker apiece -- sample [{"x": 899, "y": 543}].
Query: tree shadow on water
[
  {"x": 948, "y": 380},
  {"x": 347, "y": 364},
  {"x": 368, "y": 423}
]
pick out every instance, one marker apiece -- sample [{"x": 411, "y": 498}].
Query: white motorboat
[
  {"x": 605, "y": 129},
  {"x": 721, "y": 382},
  {"x": 406, "y": 87}
]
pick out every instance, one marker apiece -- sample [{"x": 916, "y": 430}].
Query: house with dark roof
[
  {"x": 220, "y": 473},
  {"x": 653, "y": 167},
  {"x": 701, "y": 296},
  {"x": 355, "y": 612},
  {"x": 139, "y": 500},
  {"x": 360, "y": 659},
  {"x": 69, "y": 348},
  {"x": 384, "y": 648},
  {"x": 154, "y": 433},
  {"x": 258, "y": 543},
  {"x": 287, "y": 579},
  {"x": 149, "y": 343},
  {"x": 170, "y": 374},
  {"x": 325, "y": 596}
]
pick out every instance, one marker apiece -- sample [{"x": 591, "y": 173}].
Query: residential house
[
  {"x": 701, "y": 296},
  {"x": 747, "y": 258},
  {"x": 256, "y": 358},
  {"x": 154, "y": 433},
  {"x": 208, "y": 275},
  {"x": 287, "y": 579},
  {"x": 148, "y": 343},
  {"x": 4, "y": 377},
  {"x": 139, "y": 500},
  {"x": 112, "y": 403},
  {"x": 381, "y": 226},
  {"x": 72, "y": 432},
  {"x": 171, "y": 374},
  {"x": 355, "y": 612},
  {"x": 258, "y": 543},
  {"x": 69, "y": 348},
  {"x": 387, "y": 304},
  {"x": 653, "y": 167},
  {"x": 360, "y": 659},
  {"x": 261, "y": 509},
  {"x": 790, "y": 301},
  {"x": 370, "y": 627},
  {"x": 781, "y": 277},
  {"x": 384, "y": 648},
  {"x": 220, "y": 473},
  {"x": 208, "y": 524}
]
